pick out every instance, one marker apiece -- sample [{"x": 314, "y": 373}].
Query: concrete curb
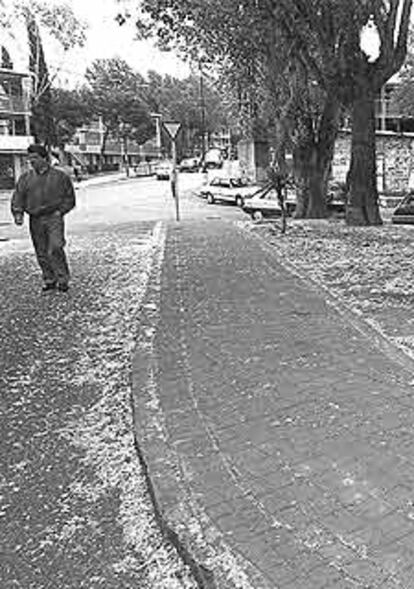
[
  {"x": 151, "y": 445},
  {"x": 202, "y": 547}
]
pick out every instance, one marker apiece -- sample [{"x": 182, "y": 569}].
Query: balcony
[
  {"x": 15, "y": 143},
  {"x": 14, "y": 105}
]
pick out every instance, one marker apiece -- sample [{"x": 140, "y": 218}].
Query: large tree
[
  {"x": 194, "y": 101},
  {"x": 117, "y": 95},
  {"x": 323, "y": 37},
  {"x": 353, "y": 76},
  {"x": 70, "y": 109},
  {"x": 43, "y": 21},
  {"x": 264, "y": 65}
]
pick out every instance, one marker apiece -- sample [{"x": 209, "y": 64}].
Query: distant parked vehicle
[
  {"x": 404, "y": 212},
  {"x": 265, "y": 204},
  {"x": 189, "y": 164},
  {"x": 213, "y": 159},
  {"x": 225, "y": 189},
  {"x": 163, "y": 170},
  {"x": 336, "y": 198}
]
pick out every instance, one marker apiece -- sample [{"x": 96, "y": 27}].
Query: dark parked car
[{"x": 404, "y": 212}]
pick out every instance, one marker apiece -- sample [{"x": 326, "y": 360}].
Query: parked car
[
  {"x": 336, "y": 198},
  {"x": 265, "y": 204},
  {"x": 213, "y": 159},
  {"x": 163, "y": 170},
  {"x": 404, "y": 212},
  {"x": 189, "y": 164},
  {"x": 225, "y": 189}
]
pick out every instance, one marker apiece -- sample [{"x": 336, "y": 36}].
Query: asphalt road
[{"x": 119, "y": 202}]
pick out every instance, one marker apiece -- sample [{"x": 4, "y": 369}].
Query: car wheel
[
  {"x": 210, "y": 198},
  {"x": 239, "y": 201},
  {"x": 257, "y": 216}
]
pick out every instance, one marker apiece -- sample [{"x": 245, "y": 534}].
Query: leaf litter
[
  {"x": 370, "y": 269},
  {"x": 66, "y": 375}
]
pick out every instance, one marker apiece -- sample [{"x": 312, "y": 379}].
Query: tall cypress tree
[{"x": 42, "y": 123}]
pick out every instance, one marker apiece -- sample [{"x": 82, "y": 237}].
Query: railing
[
  {"x": 13, "y": 104},
  {"x": 15, "y": 142}
]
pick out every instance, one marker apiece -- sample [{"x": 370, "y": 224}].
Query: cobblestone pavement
[
  {"x": 74, "y": 508},
  {"x": 278, "y": 436}
]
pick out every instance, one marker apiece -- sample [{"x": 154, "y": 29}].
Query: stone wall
[
  {"x": 395, "y": 160},
  {"x": 254, "y": 158}
]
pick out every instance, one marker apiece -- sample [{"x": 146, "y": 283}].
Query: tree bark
[
  {"x": 318, "y": 179},
  {"x": 314, "y": 164},
  {"x": 302, "y": 195},
  {"x": 312, "y": 176},
  {"x": 363, "y": 208}
]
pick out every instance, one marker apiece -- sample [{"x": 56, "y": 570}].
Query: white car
[
  {"x": 265, "y": 204},
  {"x": 163, "y": 170},
  {"x": 232, "y": 190}
]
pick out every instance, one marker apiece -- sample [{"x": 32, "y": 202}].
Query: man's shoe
[
  {"x": 63, "y": 287},
  {"x": 48, "y": 287}
]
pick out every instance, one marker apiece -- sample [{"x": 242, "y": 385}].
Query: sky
[{"x": 105, "y": 38}]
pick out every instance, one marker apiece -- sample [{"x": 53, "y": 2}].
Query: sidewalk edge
[{"x": 369, "y": 329}]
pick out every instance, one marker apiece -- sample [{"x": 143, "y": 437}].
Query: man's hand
[{"x": 18, "y": 218}]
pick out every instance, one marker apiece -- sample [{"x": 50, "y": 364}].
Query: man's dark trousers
[{"x": 48, "y": 237}]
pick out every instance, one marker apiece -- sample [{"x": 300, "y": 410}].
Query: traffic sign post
[{"x": 172, "y": 129}]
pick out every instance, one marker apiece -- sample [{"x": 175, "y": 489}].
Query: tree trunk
[
  {"x": 317, "y": 186},
  {"x": 363, "y": 206},
  {"x": 312, "y": 178},
  {"x": 321, "y": 159},
  {"x": 302, "y": 195},
  {"x": 314, "y": 164}
]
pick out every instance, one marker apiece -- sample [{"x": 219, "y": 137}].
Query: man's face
[{"x": 37, "y": 162}]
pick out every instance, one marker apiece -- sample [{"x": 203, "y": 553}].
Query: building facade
[
  {"x": 394, "y": 144},
  {"x": 15, "y": 94},
  {"x": 94, "y": 152}
]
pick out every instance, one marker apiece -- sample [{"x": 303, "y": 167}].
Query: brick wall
[{"x": 395, "y": 159}]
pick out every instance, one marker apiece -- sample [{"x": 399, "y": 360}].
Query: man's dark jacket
[{"x": 43, "y": 193}]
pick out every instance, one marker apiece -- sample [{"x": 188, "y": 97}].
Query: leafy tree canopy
[{"x": 117, "y": 94}]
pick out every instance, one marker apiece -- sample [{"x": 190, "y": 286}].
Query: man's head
[{"x": 38, "y": 157}]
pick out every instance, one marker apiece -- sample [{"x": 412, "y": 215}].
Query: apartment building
[
  {"x": 86, "y": 149},
  {"x": 15, "y": 87}
]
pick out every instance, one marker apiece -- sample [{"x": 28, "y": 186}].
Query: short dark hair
[{"x": 39, "y": 149}]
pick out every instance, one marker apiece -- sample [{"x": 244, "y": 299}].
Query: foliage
[
  {"x": 42, "y": 21},
  {"x": 402, "y": 99},
  {"x": 319, "y": 39},
  {"x": 183, "y": 101},
  {"x": 6, "y": 61},
  {"x": 41, "y": 119},
  {"x": 55, "y": 21},
  {"x": 70, "y": 110},
  {"x": 117, "y": 95}
]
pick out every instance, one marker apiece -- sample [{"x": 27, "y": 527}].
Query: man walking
[{"x": 46, "y": 194}]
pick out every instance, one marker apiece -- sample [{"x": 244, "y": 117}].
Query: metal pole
[
  {"x": 174, "y": 180},
  {"x": 203, "y": 117}
]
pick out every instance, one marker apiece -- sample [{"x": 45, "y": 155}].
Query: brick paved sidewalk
[{"x": 279, "y": 439}]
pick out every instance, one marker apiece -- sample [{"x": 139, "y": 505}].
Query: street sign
[{"x": 172, "y": 128}]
